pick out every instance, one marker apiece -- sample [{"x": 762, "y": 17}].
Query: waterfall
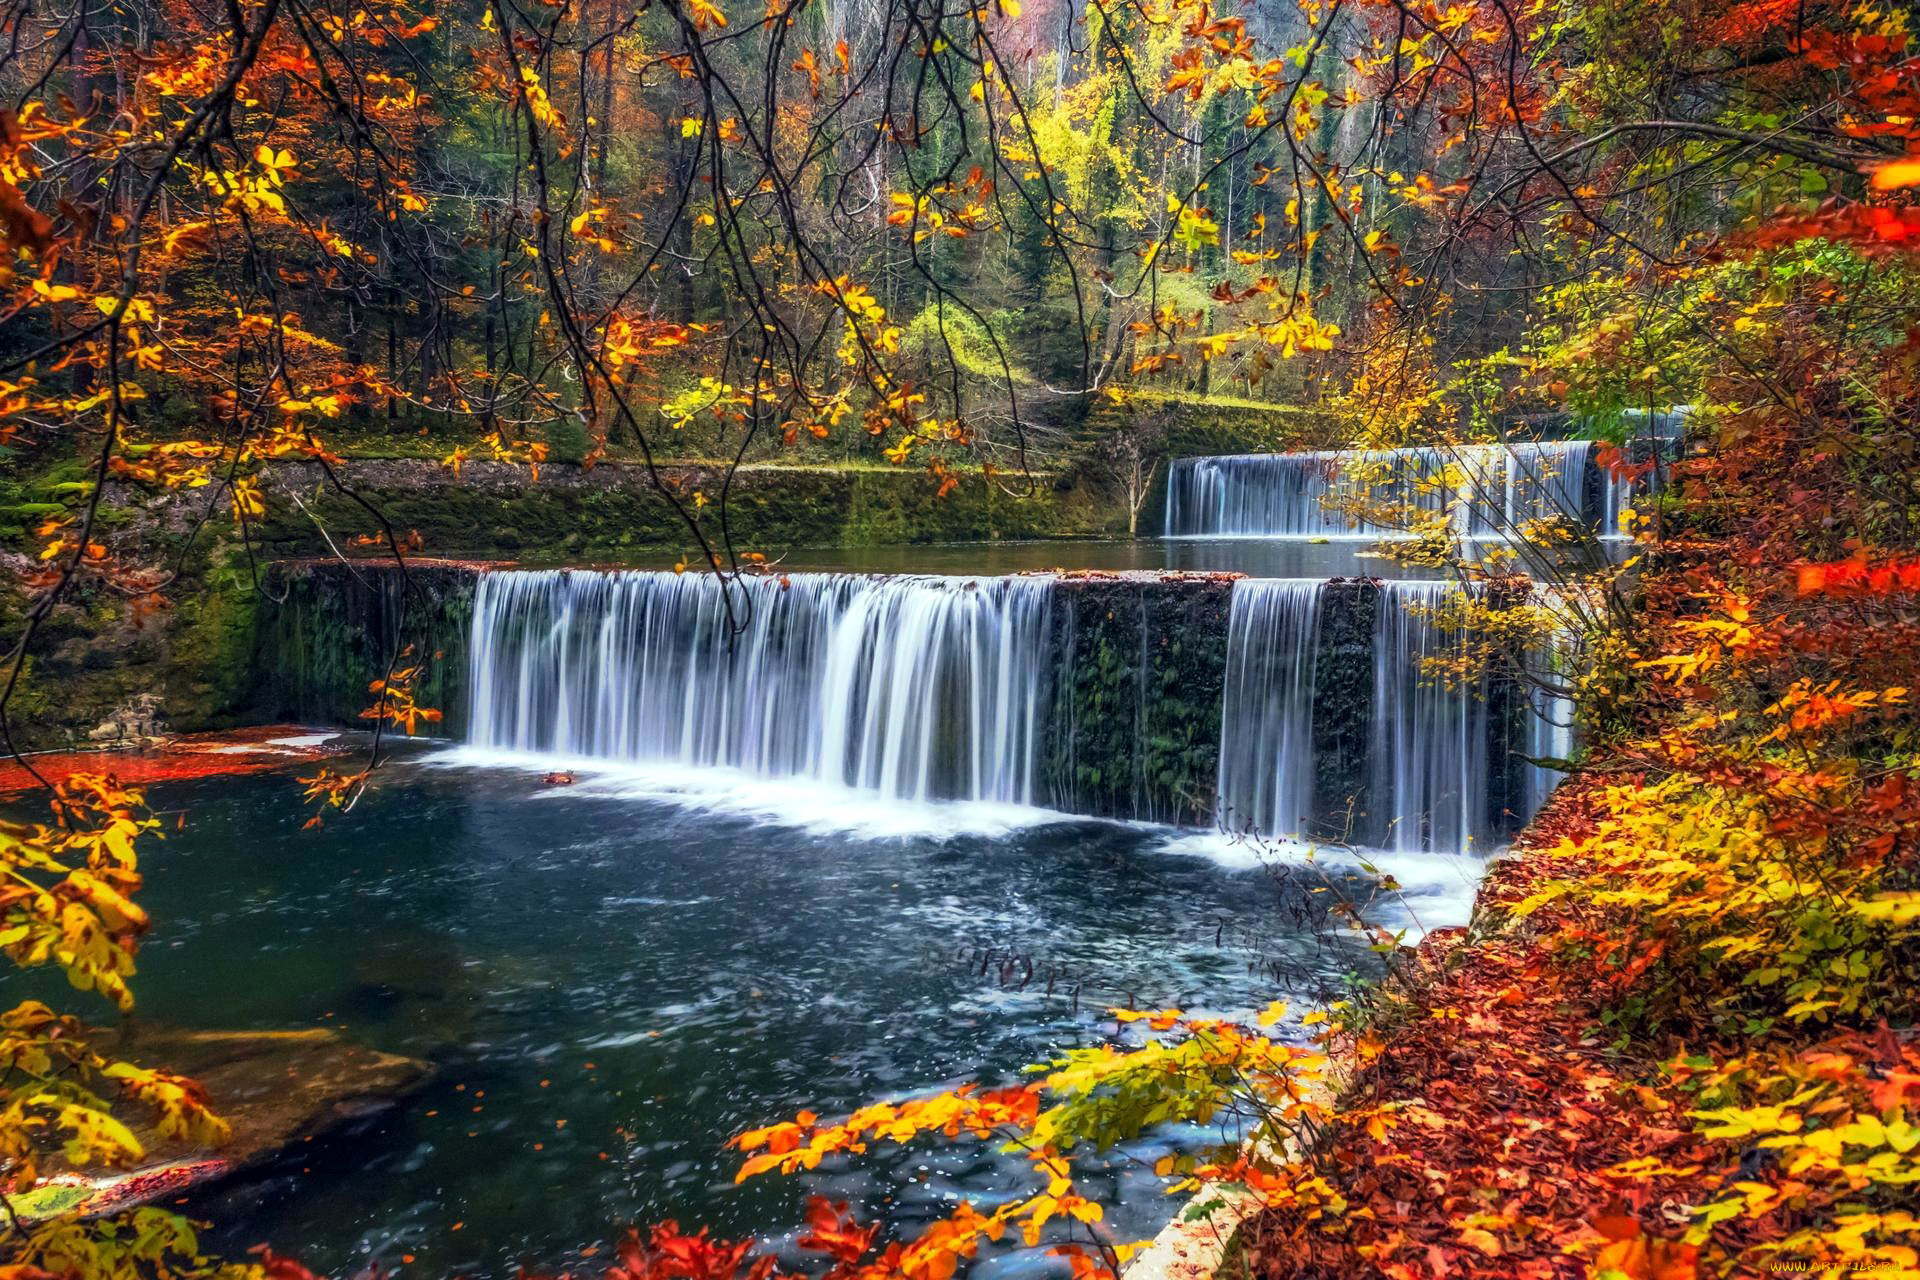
[
  {"x": 1266, "y": 719},
  {"x": 1550, "y": 721},
  {"x": 934, "y": 688},
  {"x": 1423, "y": 778},
  {"x": 1415, "y": 755},
  {"x": 1430, "y": 736},
  {"x": 915, "y": 688},
  {"x": 1482, "y": 490}
]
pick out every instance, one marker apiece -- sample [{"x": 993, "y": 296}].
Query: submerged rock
[{"x": 276, "y": 1089}]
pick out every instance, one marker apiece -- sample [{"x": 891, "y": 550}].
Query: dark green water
[{"x": 611, "y": 984}]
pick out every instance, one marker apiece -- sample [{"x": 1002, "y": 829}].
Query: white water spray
[
  {"x": 1266, "y": 716},
  {"x": 1430, "y": 744}
]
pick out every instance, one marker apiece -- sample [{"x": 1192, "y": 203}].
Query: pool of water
[
  {"x": 1255, "y": 557},
  {"x": 613, "y": 978}
]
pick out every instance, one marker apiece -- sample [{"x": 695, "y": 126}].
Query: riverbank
[
  {"x": 278, "y": 1092},
  {"x": 1491, "y": 1123},
  {"x": 1524, "y": 1098},
  {"x": 1563, "y": 1088},
  {"x": 563, "y": 511}
]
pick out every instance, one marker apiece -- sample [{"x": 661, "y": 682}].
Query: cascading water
[
  {"x": 1430, "y": 735},
  {"x": 915, "y": 688},
  {"x": 1483, "y": 490},
  {"x": 1424, "y": 780},
  {"x": 1266, "y": 719},
  {"x": 1550, "y": 737},
  {"x": 928, "y": 688},
  {"x": 1442, "y": 769}
]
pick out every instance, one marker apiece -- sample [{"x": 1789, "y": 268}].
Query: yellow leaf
[
  {"x": 1902, "y": 907},
  {"x": 1900, "y": 173}
]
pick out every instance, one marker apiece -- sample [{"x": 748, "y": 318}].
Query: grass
[{"x": 1162, "y": 396}]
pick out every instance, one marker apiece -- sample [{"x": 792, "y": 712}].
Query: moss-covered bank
[
  {"x": 100, "y": 668},
  {"x": 103, "y": 668},
  {"x": 330, "y": 628},
  {"x": 1171, "y": 426},
  {"x": 498, "y": 510}
]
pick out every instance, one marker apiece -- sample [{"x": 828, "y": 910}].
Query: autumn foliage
[
  {"x": 1679, "y": 1040},
  {"x": 67, "y": 902}
]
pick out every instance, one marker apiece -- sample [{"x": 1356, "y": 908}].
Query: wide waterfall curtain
[
  {"x": 915, "y": 688},
  {"x": 927, "y": 688}
]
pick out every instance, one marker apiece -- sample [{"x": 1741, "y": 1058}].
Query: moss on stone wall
[
  {"x": 500, "y": 512},
  {"x": 1343, "y": 698},
  {"x": 210, "y": 664},
  {"x": 1134, "y": 730},
  {"x": 329, "y": 629},
  {"x": 196, "y": 659},
  {"x": 1197, "y": 427},
  {"x": 96, "y": 655}
]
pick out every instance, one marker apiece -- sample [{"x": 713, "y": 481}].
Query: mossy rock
[
  {"x": 334, "y": 627},
  {"x": 1343, "y": 710},
  {"x": 1134, "y": 730},
  {"x": 278, "y": 1090}
]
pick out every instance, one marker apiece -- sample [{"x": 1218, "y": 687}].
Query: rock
[
  {"x": 277, "y": 1089},
  {"x": 137, "y": 721}
]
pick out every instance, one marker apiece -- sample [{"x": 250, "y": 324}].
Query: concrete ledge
[{"x": 1194, "y": 1249}]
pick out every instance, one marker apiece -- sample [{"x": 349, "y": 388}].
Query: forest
[{"x": 905, "y": 639}]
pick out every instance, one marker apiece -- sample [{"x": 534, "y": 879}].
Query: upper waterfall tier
[
  {"x": 914, "y": 688},
  {"x": 1480, "y": 490}
]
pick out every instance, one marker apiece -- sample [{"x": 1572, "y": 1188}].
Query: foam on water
[
  {"x": 803, "y": 803},
  {"x": 1432, "y": 890}
]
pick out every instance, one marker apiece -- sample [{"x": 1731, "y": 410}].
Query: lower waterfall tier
[
  {"x": 1277, "y": 707},
  {"x": 1354, "y": 716}
]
